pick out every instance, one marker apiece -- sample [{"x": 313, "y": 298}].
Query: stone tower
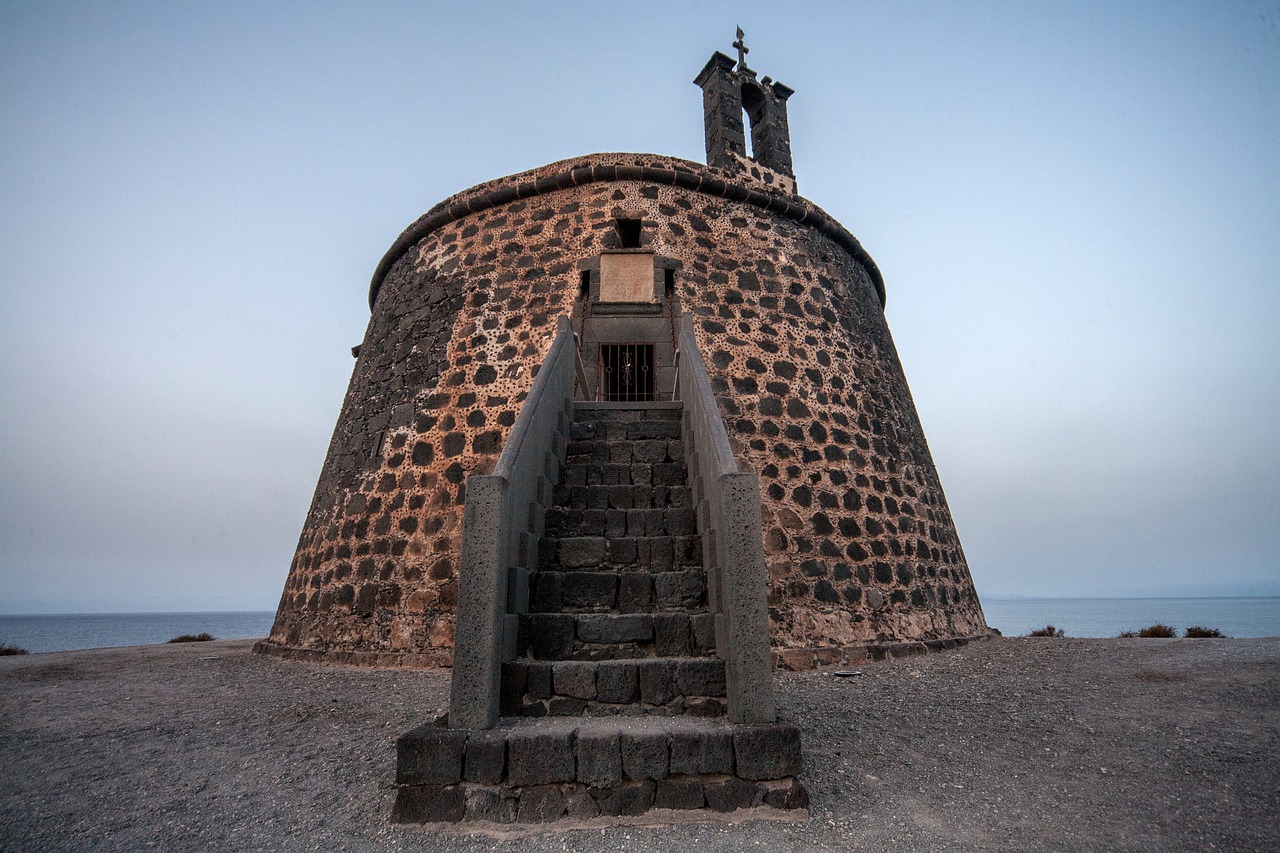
[{"x": 787, "y": 311}]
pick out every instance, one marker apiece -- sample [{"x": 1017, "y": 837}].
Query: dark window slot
[{"x": 629, "y": 233}]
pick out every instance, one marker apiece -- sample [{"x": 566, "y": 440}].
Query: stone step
[
  {"x": 626, "y": 496},
  {"x": 622, "y": 552},
  {"x": 648, "y": 451},
  {"x": 601, "y": 412},
  {"x": 614, "y": 430},
  {"x": 624, "y": 591},
  {"x": 624, "y": 474},
  {"x": 624, "y": 687},
  {"x": 534, "y": 771},
  {"x": 565, "y": 523},
  {"x": 614, "y": 636}
]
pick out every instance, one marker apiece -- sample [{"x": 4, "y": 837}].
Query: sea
[
  {"x": 1108, "y": 617},
  {"x": 65, "y": 632},
  {"x": 1078, "y": 617}
]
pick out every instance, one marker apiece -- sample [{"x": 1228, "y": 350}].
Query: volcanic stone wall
[{"x": 788, "y": 312}]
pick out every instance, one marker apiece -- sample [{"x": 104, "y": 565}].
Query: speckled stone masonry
[{"x": 787, "y": 307}]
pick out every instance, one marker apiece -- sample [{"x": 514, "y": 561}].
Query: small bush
[
  {"x": 1196, "y": 632},
  {"x": 1164, "y": 631},
  {"x": 1048, "y": 631},
  {"x": 6, "y": 649},
  {"x": 202, "y": 637}
]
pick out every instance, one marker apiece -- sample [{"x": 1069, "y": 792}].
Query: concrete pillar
[{"x": 482, "y": 604}]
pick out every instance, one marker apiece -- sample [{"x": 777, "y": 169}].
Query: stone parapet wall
[
  {"x": 787, "y": 309},
  {"x": 435, "y": 659},
  {"x": 799, "y": 660}
]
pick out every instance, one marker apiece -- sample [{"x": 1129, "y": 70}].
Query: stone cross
[{"x": 743, "y": 50}]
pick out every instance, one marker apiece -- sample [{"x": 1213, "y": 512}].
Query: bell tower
[{"x": 729, "y": 91}]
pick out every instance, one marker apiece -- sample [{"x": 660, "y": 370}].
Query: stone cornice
[{"x": 650, "y": 168}]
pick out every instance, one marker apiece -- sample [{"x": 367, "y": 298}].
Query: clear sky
[{"x": 1076, "y": 208}]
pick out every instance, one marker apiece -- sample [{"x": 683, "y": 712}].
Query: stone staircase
[
  {"x": 614, "y": 703},
  {"x": 618, "y": 620}
]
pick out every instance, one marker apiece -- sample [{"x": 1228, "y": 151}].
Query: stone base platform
[
  {"x": 534, "y": 771},
  {"x": 799, "y": 660}
]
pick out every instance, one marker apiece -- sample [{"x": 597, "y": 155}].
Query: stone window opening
[
  {"x": 584, "y": 285},
  {"x": 628, "y": 232},
  {"x": 753, "y": 111}
]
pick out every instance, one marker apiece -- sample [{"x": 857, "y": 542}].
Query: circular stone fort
[{"x": 786, "y": 307}]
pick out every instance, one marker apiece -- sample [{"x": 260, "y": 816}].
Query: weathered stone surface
[
  {"x": 616, "y": 682},
  {"x": 582, "y": 590},
  {"x": 671, "y": 634},
  {"x": 635, "y": 592},
  {"x": 700, "y": 677},
  {"x": 486, "y": 757},
  {"x": 541, "y": 803},
  {"x": 430, "y": 754},
  {"x": 705, "y": 706},
  {"x": 702, "y": 633},
  {"x": 609, "y": 628},
  {"x": 622, "y": 552},
  {"x": 767, "y": 751},
  {"x": 649, "y": 451},
  {"x": 657, "y": 681},
  {"x": 599, "y": 758},
  {"x": 626, "y": 798},
  {"x": 702, "y": 751},
  {"x": 644, "y": 755},
  {"x": 515, "y": 681},
  {"x": 575, "y": 679},
  {"x": 550, "y": 634},
  {"x": 579, "y": 804},
  {"x": 539, "y": 680},
  {"x": 582, "y": 551},
  {"x": 785, "y": 794},
  {"x": 547, "y": 595},
  {"x": 540, "y": 757},
  {"x": 679, "y": 793},
  {"x": 566, "y": 706},
  {"x": 428, "y": 804},
  {"x": 679, "y": 590},
  {"x": 729, "y": 793},
  {"x": 486, "y": 803}
]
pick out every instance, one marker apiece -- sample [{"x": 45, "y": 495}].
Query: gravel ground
[{"x": 1012, "y": 744}]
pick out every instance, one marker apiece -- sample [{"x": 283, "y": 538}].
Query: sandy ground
[{"x": 1012, "y": 744}]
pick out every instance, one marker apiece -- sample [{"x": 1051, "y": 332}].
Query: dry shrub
[
  {"x": 6, "y": 649},
  {"x": 1048, "y": 631},
  {"x": 1162, "y": 631},
  {"x": 202, "y": 637},
  {"x": 1197, "y": 632}
]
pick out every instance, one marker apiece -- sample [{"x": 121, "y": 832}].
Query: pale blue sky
[{"x": 1076, "y": 208}]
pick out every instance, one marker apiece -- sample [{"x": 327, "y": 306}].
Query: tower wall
[{"x": 788, "y": 314}]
